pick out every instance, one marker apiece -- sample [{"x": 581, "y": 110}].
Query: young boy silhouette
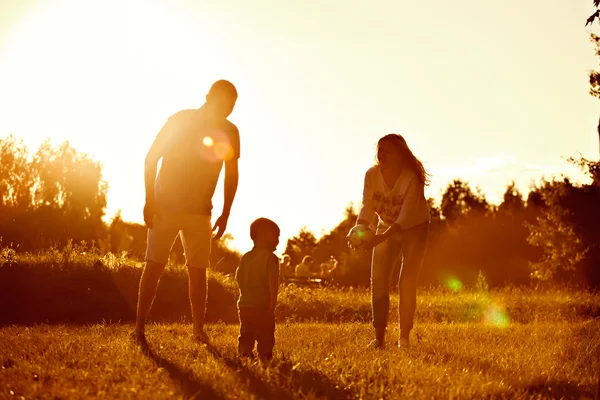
[{"x": 258, "y": 280}]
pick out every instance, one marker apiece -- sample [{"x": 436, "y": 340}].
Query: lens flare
[
  {"x": 208, "y": 141},
  {"x": 454, "y": 284},
  {"x": 223, "y": 151},
  {"x": 496, "y": 315}
]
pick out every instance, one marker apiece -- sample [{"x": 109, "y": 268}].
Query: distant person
[
  {"x": 285, "y": 266},
  {"x": 328, "y": 269},
  {"x": 194, "y": 145},
  {"x": 324, "y": 270},
  {"x": 394, "y": 191},
  {"x": 303, "y": 270},
  {"x": 258, "y": 280}
]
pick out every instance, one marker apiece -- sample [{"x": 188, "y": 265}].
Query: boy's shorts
[{"x": 196, "y": 237}]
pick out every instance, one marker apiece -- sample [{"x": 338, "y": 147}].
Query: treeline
[
  {"x": 57, "y": 195},
  {"x": 550, "y": 235}
]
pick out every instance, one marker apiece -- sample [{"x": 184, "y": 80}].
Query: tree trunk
[
  {"x": 597, "y": 183},
  {"x": 598, "y": 129},
  {"x": 598, "y": 388}
]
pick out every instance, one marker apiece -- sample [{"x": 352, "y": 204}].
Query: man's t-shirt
[
  {"x": 252, "y": 276},
  {"x": 195, "y": 147}
]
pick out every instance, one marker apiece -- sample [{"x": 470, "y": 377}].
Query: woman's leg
[
  {"x": 414, "y": 246},
  {"x": 382, "y": 265}
]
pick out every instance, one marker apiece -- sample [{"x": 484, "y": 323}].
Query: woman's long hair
[{"x": 407, "y": 158}]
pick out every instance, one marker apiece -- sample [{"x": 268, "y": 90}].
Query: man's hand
[
  {"x": 149, "y": 212},
  {"x": 220, "y": 226}
]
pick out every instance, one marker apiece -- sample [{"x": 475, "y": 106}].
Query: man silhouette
[{"x": 194, "y": 145}]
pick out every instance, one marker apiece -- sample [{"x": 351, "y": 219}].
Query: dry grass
[
  {"x": 467, "y": 360},
  {"x": 468, "y": 342}
]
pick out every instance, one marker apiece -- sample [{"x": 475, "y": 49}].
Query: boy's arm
[{"x": 273, "y": 275}]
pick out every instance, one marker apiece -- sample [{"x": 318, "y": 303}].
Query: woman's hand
[
  {"x": 377, "y": 240},
  {"x": 358, "y": 222},
  {"x": 349, "y": 244},
  {"x": 380, "y": 238}
]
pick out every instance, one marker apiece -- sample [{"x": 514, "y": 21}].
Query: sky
[{"x": 486, "y": 93}]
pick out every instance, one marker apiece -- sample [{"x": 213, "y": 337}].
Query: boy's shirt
[{"x": 252, "y": 276}]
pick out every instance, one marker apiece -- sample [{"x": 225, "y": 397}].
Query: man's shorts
[{"x": 196, "y": 236}]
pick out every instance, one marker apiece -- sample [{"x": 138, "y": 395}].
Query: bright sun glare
[
  {"x": 208, "y": 141},
  {"x": 106, "y": 78}
]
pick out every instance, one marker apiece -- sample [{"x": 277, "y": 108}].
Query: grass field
[
  {"x": 468, "y": 342},
  {"x": 313, "y": 360}
]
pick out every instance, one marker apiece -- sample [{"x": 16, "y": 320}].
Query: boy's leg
[
  {"x": 414, "y": 248},
  {"x": 196, "y": 236},
  {"x": 382, "y": 265},
  {"x": 247, "y": 328},
  {"x": 265, "y": 334},
  {"x": 160, "y": 240}
]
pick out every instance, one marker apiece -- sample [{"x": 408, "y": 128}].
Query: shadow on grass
[
  {"x": 95, "y": 294},
  {"x": 473, "y": 363},
  {"x": 536, "y": 388},
  {"x": 285, "y": 381},
  {"x": 548, "y": 390},
  {"x": 189, "y": 384}
]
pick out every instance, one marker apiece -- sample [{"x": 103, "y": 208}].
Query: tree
[
  {"x": 595, "y": 15},
  {"x": 562, "y": 247},
  {"x": 567, "y": 231},
  {"x": 70, "y": 191},
  {"x": 512, "y": 200},
  {"x": 300, "y": 245},
  {"x": 594, "y": 76},
  {"x": 459, "y": 201},
  {"x": 334, "y": 243},
  {"x": 16, "y": 176},
  {"x": 52, "y": 196}
]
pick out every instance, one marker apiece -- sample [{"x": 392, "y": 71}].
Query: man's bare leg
[
  {"x": 148, "y": 286},
  {"x": 197, "y": 283}
]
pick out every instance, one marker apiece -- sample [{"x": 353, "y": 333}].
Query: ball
[{"x": 360, "y": 235}]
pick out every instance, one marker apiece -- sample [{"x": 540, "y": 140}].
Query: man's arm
[
  {"x": 150, "y": 167},
  {"x": 230, "y": 188},
  {"x": 230, "y": 185},
  {"x": 273, "y": 273}
]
